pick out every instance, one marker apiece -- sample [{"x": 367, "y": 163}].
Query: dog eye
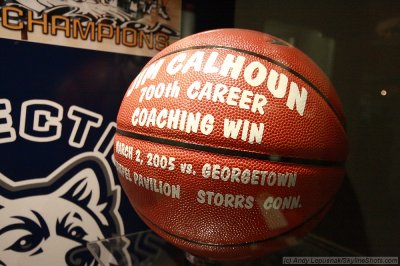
[
  {"x": 25, "y": 244},
  {"x": 77, "y": 232}
]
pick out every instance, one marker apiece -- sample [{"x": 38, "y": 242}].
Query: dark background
[
  {"x": 365, "y": 65},
  {"x": 365, "y": 69}
]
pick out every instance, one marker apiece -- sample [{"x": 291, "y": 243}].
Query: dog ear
[
  {"x": 85, "y": 180},
  {"x": 83, "y": 188}
]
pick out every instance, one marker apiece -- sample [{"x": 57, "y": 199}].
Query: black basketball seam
[
  {"x": 318, "y": 212},
  {"x": 275, "y": 62},
  {"x": 230, "y": 152}
]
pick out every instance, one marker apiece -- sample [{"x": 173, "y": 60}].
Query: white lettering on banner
[
  {"x": 41, "y": 121},
  {"x": 44, "y": 119},
  {"x": 84, "y": 120},
  {"x": 106, "y": 141},
  {"x": 7, "y": 132}
]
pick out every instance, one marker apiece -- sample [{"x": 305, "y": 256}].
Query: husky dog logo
[{"x": 49, "y": 221}]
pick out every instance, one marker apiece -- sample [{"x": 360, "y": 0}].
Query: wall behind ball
[
  {"x": 358, "y": 44},
  {"x": 214, "y": 14}
]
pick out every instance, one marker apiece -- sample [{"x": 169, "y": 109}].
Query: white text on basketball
[
  {"x": 157, "y": 186},
  {"x": 123, "y": 171},
  {"x": 124, "y": 149},
  {"x": 246, "y": 176},
  {"x": 173, "y": 119},
  {"x": 232, "y": 96},
  {"x": 160, "y": 161},
  {"x": 285, "y": 203},
  {"x": 250, "y": 132},
  {"x": 254, "y": 74},
  {"x": 169, "y": 90},
  {"x": 149, "y": 72},
  {"x": 225, "y": 200}
]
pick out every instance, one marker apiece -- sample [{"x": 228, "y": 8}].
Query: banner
[
  {"x": 59, "y": 189},
  {"x": 140, "y": 27}
]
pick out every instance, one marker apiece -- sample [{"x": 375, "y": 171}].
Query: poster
[
  {"x": 59, "y": 189},
  {"x": 141, "y": 27}
]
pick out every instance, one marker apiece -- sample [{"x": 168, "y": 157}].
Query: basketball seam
[
  {"x": 319, "y": 211},
  {"x": 230, "y": 152},
  {"x": 269, "y": 59}
]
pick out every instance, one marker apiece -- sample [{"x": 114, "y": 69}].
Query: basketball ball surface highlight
[{"x": 231, "y": 144}]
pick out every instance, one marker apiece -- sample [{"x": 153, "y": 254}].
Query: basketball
[{"x": 231, "y": 144}]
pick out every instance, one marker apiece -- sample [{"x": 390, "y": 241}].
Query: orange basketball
[{"x": 230, "y": 144}]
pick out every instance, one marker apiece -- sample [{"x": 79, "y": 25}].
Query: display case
[{"x": 146, "y": 248}]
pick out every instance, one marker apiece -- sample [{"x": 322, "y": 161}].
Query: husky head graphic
[{"x": 49, "y": 221}]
